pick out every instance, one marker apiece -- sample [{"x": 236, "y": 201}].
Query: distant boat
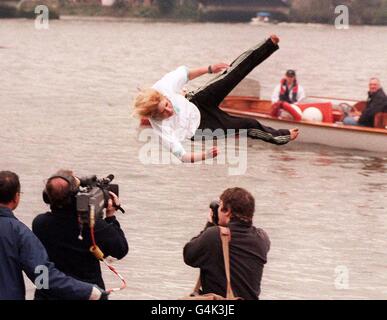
[
  {"x": 107, "y": 3},
  {"x": 262, "y": 18},
  {"x": 330, "y": 131}
]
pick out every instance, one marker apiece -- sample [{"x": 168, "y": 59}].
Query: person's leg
[
  {"x": 208, "y": 98},
  {"x": 218, "y": 123},
  {"x": 218, "y": 119},
  {"x": 214, "y": 92}
]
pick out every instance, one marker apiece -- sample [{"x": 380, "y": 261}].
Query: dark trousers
[{"x": 209, "y": 97}]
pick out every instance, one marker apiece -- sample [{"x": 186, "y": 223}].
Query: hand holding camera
[{"x": 113, "y": 205}]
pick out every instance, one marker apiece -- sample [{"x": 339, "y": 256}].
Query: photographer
[
  {"x": 22, "y": 251},
  {"x": 68, "y": 241},
  {"x": 248, "y": 248}
]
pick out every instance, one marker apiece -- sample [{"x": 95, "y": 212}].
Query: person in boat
[
  {"x": 288, "y": 90},
  {"x": 22, "y": 251},
  {"x": 248, "y": 248},
  {"x": 67, "y": 241},
  {"x": 377, "y": 102},
  {"x": 176, "y": 117},
  {"x": 285, "y": 97}
]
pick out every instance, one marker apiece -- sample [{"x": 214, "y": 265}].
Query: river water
[{"x": 64, "y": 98}]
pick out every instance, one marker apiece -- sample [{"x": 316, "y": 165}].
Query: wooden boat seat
[{"x": 380, "y": 120}]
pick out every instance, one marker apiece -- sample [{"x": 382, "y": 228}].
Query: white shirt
[
  {"x": 186, "y": 119},
  {"x": 277, "y": 91}
]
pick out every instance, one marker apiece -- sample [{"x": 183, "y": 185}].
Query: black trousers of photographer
[{"x": 209, "y": 97}]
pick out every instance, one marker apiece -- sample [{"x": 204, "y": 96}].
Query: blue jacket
[{"x": 21, "y": 250}]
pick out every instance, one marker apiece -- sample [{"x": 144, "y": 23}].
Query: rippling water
[{"x": 64, "y": 97}]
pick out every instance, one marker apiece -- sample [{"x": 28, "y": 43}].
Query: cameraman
[
  {"x": 67, "y": 241},
  {"x": 248, "y": 248},
  {"x": 22, "y": 251}
]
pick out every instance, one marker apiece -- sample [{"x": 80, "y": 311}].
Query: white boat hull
[{"x": 333, "y": 135}]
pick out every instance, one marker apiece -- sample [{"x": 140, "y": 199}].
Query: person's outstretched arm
[
  {"x": 301, "y": 94},
  {"x": 197, "y": 252},
  {"x": 214, "y": 68},
  {"x": 176, "y": 148},
  {"x": 200, "y": 156},
  {"x": 35, "y": 263}
]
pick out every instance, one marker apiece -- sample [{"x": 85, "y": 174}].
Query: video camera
[{"x": 93, "y": 194}]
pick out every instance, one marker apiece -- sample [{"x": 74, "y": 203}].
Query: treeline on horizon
[
  {"x": 370, "y": 12},
  {"x": 373, "y": 12}
]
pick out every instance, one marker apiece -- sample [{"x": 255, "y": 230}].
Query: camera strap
[
  {"x": 225, "y": 236},
  {"x": 99, "y": 255}
]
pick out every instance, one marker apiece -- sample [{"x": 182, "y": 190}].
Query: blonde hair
[{"x": 146, "y": 103}]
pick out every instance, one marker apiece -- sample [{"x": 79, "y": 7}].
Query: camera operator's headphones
[{"x": 68, "y": 198}]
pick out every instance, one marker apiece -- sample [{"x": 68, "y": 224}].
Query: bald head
[{"x": 59, "y": 190}]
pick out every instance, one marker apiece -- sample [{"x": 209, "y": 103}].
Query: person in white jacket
[{"x": 175, "y": 116}]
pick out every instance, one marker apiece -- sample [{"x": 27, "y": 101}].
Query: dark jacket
[
  {"x": 248, "y": 254},
  {"x": 21, "y": 250},
  {"x": 59, "y": 232},
  {"x": 377, "y": 102}
]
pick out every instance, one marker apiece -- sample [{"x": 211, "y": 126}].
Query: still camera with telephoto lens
[{"x": 214, "y": 206}]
